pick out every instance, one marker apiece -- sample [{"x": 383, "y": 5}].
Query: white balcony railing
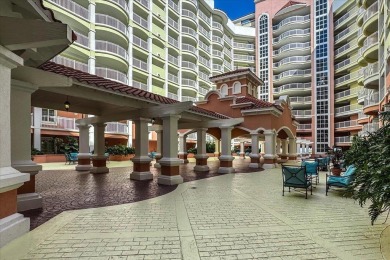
[
  {"x": 82, "y": 39},
  {"x": 140, "y": 85},
  {"x": 204, "y": 32},
  {"x": 297, "y": 86},
  {"x": 111, "y": 47},
  {"x": 173, "y": 41},
  {"x": 122, "y": 3},
  {"x": 188, "y": 30},
  {"x": 345, "y": 32},
  {"x": 371, "y": 69},
  {"x": 371, "y": 99},
  {"x": 346, "y": 62},
  {"x": 140, "y": 43},
  {"x": 345, "y": 124},
  {"x": 291, "y": 33},
  {"x": 117, "y": 128},
  {"x": 189, "y": 83},
  {"x": 301, "y": 113},
  {"x": 292, "y": 19},
  {"x": 217, "y": 53},
  {"x": 217, "y": 39},
  {"x": 145, "y": 3},
  {"x": 173, "y": 78},
  {"x": 173, "y": 5},
  {"x": 140, "y": 64},
  {"x": 173, "y": 23},
  {"x": 111, "y": 21},
  {"x": 292, "y": 46},
  {"x": 71, "y": 63},
  {"x": 217, "y": 25},
  {"x": 173, "y": 60},
  {"x": 204, "y": 76},
  {"x": 349, "y": 109},
  {"x": 204, "y": 61},
  {"x": 371, "y": 11},
  {"x": 188, "y": 13},
  {"x": 189, "y": 48},
  {"x": 73, "y": 7},
  {"x": 350, "y": 13},
  {"x": 346, "y": 93},
  {"x": 289, "y": 73},
  {"x": 293, "y": 59},
  {"x": 173, "y": 96},
  {"x": 140, "y": 21},
  {"x": 246, "y": 46},
  {"x": 343, "y": 139},
  {"x": 300, "y": 99},
  {"x": 303, "y": 127},
  {"x": 204, "y": 46},
  {"x": 244, "y": 57},
  {"x": 189, "y": 65},
  {"x": 111, "y": 74},
  {"x": 204, "y": 17}
]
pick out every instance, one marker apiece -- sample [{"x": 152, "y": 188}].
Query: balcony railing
[
  {"x": 300, "y": 99},
  {"x": 217, "y": 67},
  {"x": 189, "y": 48},
  {"x": 241, "y": 67},
  {"x": 117, "y": 128},
  {"x": 303, "y": 127},
  {"x": 369, "y": 42},
  {"x": 111, "y": 47},
  {"x": 371, "y": 11},
  {"x": 173, "y": 60},
  {"x": 140, "y": 64},
  {"x": 371, "y": 127},
  {"x": 217, "y": 39},
  {"x": 247, "y": 46},
  {"x": 110, "y": 21},
  {"x": 244, "y": 57},
  {"x": 173, "y": 96},
  {"x": 344, "y": 32},
  {"x": 173, "y": 5},
  {"x": 348, "y": 109},
  {"x": 227, "y": 64},
  {"x": 350, "y": 13},
  {"x": 217, "y": 26},
  {"x": 189, "y": 83},
  {"x": 345, "y": 124},
  {"x": 82, "y": 39},
  {"x": 347, "y": 77},
  {"x": 188, "y": 13},
  {"x": 189, "y": 65},
  {"x": 343, "y": 139},
  {"x": 140, "y": 43},
  {"x": 204, "y": 46},
  {"x": 291, "y": 19},
  {"x": 292, "y": 46},
  {"x": 346, "y": 62},
  {"x": 292, "y": 73},
  {"x": 173, "y": 23},
  {"x": 301, "y": 113},
  {"x": 140, "y": 85},
  {"x": 203, "y": 91},
  {"x": 346, "y": 93},
  {"x": 187, "y": 98},
  {"x": 141, "y": 21},
  {"x": 204, "y": 32},
  {"x": 361, "y": 115},
  {"x": 346, "y": 47},
  {"x": 188, "y": 30},
  {"x": 295, "y": 32},
  {"x": 227, "y": 39},
  {"x": 217, "y": 53},
  {"x": 204, "y": 76},
  {"x": 122, "y": 3},
  {"x": 145, "y": 3},
  {"x": 73, "y": 7},
  {"x": 295, "y": 59},
  {"x": 300, "y": 86},
  {"x": 173, "y": 78},
  {"x": 204, "y": 17},
  {"x": 204, "y": 61},
  {"x": 371, "y": 69},
  {"x": 371, "y": 99},
  {"x": 111, "y": 74},
  {"x": 173, "y": 41},
  {"x": 71, "y": 63}
]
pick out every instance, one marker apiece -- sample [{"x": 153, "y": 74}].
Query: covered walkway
[{"x": 233, "y": 216}]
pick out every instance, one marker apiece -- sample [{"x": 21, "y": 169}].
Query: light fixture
[
  {"x": 67, "y": 104},
  {"x": 153, "y": 120}
]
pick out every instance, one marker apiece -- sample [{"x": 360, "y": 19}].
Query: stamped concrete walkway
[{"x": 234, "y": 216}]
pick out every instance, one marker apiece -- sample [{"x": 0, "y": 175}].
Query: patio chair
[
  {"x": 312, "y": 169},
  {"x": 73, "y": 157},
  {"x": 296, "y": 177},
  {"x": 107, "y": 157},
  {"x": 342, "y": 181},
  {"x": 323, "y": 163}
]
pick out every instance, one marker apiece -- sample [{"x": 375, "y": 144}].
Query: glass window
[{"x": 48, "y": 115}]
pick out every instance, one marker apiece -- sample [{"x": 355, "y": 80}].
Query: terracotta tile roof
[
  {"x": 255, "y": 103},
  {"x": 230, "y": 73},
  {"x": 113, "y": 86}
]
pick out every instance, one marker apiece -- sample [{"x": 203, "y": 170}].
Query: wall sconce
[
  {"x": 153, "y": 120},
  {"x": 67, "y": 104}
]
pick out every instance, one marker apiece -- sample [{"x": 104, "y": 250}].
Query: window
[
  {"x": 48, "y": 115},
  {"x": 236, "y": 88},
  {"x": 224, "y": 90}
]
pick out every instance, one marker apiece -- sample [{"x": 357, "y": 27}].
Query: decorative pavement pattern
[
  {"x": 233, "y": 216},
  {"x": 63, "y": 190}
]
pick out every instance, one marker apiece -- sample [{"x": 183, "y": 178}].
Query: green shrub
[
  {"x": 36, "y": 152},
  {"x": 192, "y": 150},
  {"x": 120, "y": 150},
  {"x": 210, "y": 147}
]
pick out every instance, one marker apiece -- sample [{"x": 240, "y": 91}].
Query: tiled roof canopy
[
  {"x": 256, "y": 103},
  {"x": 113, "y": 86}
]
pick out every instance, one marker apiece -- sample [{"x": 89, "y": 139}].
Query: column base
[
  {"x": 170, "y": 180},
  {"x": 99, "y": 164},
  {"x": 255, "y": 161},
  {"x": 201, "y": 163},
  {"x": 157, "y": 163},
  {"x": 183, "y": 157},
  {"x": 141, "y": 168},
  {"x": 29, "y": 201},
  {"x": 254, "y": 165},
  {"x": 12, "y": 227},
  {"x": 141, "y": 176},
  {"x": 242, "y": 155},
  {"x": 83, "y": 162},
  {"x": 226, "y": 164},
  {"x": 270, "y": 161},
  {"x": 292, "y": 157},
  {"x": 201, "y": 168}
]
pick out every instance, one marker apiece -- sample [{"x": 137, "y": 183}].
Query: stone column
[
  {"x": 226, "y": 158},
  {"x": 217, "y": 145},
  {"x": 170, "y": 172},
  {"x": 201, "y": 156},
  {"x": 141, "y": 161},
  {"x": 99, "y": 159},
  {"x": 284, "y": 154},
  {"x": 278, "y": 146},
  {"x": 84, "y": 157},
  {"x": 242, "y": 150},
  {"x": 13, "y": 224},
  {"x": 21, "y": 143},
  {"x": 270, "y": 153},
  {"x": 262, "y": 148},
  {"x": 292, "y": 148},
  {"x": 37, "y": 121},
  {"x": 183, "y": 148},
  {"x": 159, "y": 148},
  {"x": 299, "y": 151},
  {"x": 255, "y": 157}
]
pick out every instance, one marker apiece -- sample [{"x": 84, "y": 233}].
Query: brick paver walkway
[
  {"x": 234, "y": 216},
  {"x": 63, "y": 190}
]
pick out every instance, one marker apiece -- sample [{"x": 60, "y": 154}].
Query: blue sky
[{"x": 237, "y": 8}]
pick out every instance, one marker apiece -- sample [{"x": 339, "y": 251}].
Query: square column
[
  {"x": 292, "y": 148},
  {"x": 270, "y": 147},
  {"x": 141, "y": 161},
  {"x": 170, "y": 173},
  {"x": 37, "y": 121},
  {"x": 217, "y": 147},
  {"x": 183, "y": 148},
  {"x": 278, "y": 146},
  {"x": 226, "y": 158},
  {"x": 284, "y": 154},
  {"x": 98, "y": 158},
  {"x": 84, "y": 157},
  {"x": 255, "y": 157},
  {"x": 13, "y": 224},
  {"x": 21, "y": 143},
  {"x": 159, "y": 148},
  {"x": 242, "y": 150},
  {"x": 201, "y": 156}
]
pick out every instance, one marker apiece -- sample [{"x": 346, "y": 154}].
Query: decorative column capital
[
  {"x": 83, "y": 127},
  {"x": 269, "y": 132}
]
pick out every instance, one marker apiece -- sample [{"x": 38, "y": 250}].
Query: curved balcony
[
  {"x": 347, "y": 110},
  {"x": 111, "y": 74},
  {"x": 173, "y": 24},
  {"x": 297, "y": 62},
  {"x": 298, "y": 22},
  {"x": 292, "y": 49},
  {"x": 244, "y": 46},
  {"x": 188, "y": 48},
  {"x": 140, "y": 85},
  {"x": 114, "y": 8},
  {"x": 189, "y": 65},
  {"x": 370, "y": 19},
  {"x": 346, "y": 79},
  {"x": 71, "y": 63},
  {"x": 345, "y": 34},
  {"x": 111, "y": 22},
  {"x": 217, "y": 40},
  {"x": 218, "y": 55},
  {"x": 189, "y": 83},
  {"x": 370, "y": 48},
  {"x": 205, "y": 62},
  {"x": 137, "y": 41},
  {"x": 173, "y": 78},
  {"x": 121, "y": 3},
  {"x": 371, "y": 76},
  {"x": 189, "y": 32},
  {"x": 204, "y": 76},
  {"x": 304, "y": 128},
  {"x": 218, "y": 68},
  {"x": 293, "y": 88},
  {"x": 292, "y": 76},
  {"x": 345, "y": 49},
  {"x": 347, "y": 126},
  {"x": 363, "y": 118},
  {"x": 244, "y": 58},
  {"x": 343, "y": 140},
  {"x": 190, "y": 16},
  {"x": 346, "y": 94},
  {"x": 204, "y": 47},
  {"x": 369, "y": 128},
  {"x": 203, "y": 17},
  {"x": 217, "y": 26},
  {"x": 203, "y": 32},
  {"x": 73, "y": 9},
  {"x": 301, "y": 114},
  {"x": 82, "y": 40},
  {"x": 174, "y": 6},
  {"x": 296, "y": 35},
  {"x": 140, "y": 21},
  {"x": 371, "y": 104},
  {"x": 193, "y": 2},
  {"x": 346, "y": 64},
  {"x": 172, "y": 41},
  {"x": 173, "y": 60},
  {"x": 300, "y": 101},
  {"x": 143, "y": 3},
  {"x": 360, "y": 15},
  {"x": 112, "y": 48},
  {"x": 188, "y": 98},
  {"x": 362, "y": 94},
  {"x": 139, "y": 64},
  {"x": 345, "y": 18}
]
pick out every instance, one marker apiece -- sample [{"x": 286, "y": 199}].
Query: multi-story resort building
[{"x": 333, "y": 69}]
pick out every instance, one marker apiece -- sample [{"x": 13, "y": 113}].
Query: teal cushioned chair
[
  {"x": 340, "y": 181},
  {"x": 323, "y": 163},
  {"x": 312, "y": 170},
  {"x": 296, "y": 177}
]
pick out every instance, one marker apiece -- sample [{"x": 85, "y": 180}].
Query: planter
[
  {"x": 48, "y": 158},
  {"x": 120, "y": 158},
  {"x": 190, "y": 155},
  {"x": 336, "y": 171}
]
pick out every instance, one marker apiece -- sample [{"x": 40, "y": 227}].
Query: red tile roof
[
  {"x": 113, "y": 86},
  {"x": 255, "y": 103},
  {"x": 230, "y": 73}
]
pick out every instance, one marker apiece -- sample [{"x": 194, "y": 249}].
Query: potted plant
[{"x": 336, "y": 154}]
